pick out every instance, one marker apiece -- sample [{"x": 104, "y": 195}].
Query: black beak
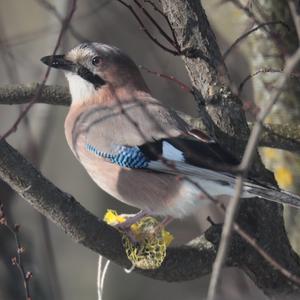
[{"x": 59, "y": 62}]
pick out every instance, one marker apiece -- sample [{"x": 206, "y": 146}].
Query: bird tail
[
  {"x": 279, "y": 196},
  {"x": 250, "y": 189}
]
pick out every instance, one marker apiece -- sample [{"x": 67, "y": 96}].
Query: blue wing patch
[{"x": 129, "y": 157}]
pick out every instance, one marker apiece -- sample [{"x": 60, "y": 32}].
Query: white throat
[{"x": 80, "y": 89}]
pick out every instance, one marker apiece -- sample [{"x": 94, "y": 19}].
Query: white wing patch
[{"x": 171, "y": 153}]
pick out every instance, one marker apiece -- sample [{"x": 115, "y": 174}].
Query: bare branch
[
  {"x": 250, "y": 76},
  {"x": 183, "y": 263},
  {"x": 174, "y": 52},
  {"x": 24, "y": 112},
  {"x": 167, "y": 20},
  {"x": 281, "y": 136},
  {"x": 265, "y": 255},
  {"x": 52, "y": 9},
  {"x": 159, "y": 28},
  {"x": 245, "y": 35},
  {"x": 258, "y": 18},
  {"x": 261, "y": 71},
  {"x": 182, "y": 85},
  {"x": 22, "y": 93},
  {"x": 18, "y": 259}
]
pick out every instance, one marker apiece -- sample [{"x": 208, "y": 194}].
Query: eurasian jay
[{"x": 135, "y": 148}]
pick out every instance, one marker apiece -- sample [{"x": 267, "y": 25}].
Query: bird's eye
[{"x": 96, "y": 60}]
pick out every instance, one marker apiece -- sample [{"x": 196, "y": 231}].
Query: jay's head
[{"x": 92, "y": 66}]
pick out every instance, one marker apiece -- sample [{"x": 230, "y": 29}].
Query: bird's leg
[
  {"x": 125, "y": 226},
  {"x": 132, "y": 220}
]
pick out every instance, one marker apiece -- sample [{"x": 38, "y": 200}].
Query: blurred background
[{"x": 61, "y": 269}]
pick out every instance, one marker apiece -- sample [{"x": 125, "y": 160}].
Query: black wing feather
[{"x": 195, "y": 152}]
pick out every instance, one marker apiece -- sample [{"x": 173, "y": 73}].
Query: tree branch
[
  {"x": 281, "y": 136},
  {"x": 22, "y": 93},
  {"x": 182, "y": 263}
]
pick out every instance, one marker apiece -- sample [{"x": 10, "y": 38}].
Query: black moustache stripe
[{"x": 86, "y": 74}]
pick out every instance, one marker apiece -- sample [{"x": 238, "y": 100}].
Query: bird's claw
[{"x": 125, "y": 228}]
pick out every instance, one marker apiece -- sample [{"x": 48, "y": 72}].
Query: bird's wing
[
  {"x": 190, "y": 151},
  {"x": 190, "y": 155},
  {"x": 131, "y": 124},
  {"x": 145, "y": 128},
  {"x": 132, "y": 141}
]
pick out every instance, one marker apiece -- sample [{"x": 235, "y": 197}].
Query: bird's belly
[{"x": 162, "y": 194}]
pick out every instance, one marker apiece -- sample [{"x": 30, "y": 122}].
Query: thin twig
[
  {"x": 253, "y": 242},
  {"x": 250, "y": 76},
  {"x": 167, "y": 20},
  {"x": 174, "y": 52},
  {"x": 52, "y": 9},
  {"x": 247, "y": 33},
  {"x": 263, "y": 70},
  {"x": 244, "y": 168},
  {"x": 18, "y": 259},
  {"x": 65, "y": 24},
  {"x": 273, "y": 35},
  {"x": 230, "y": 214},
  {"x": 35, "y": 153},
  {"x": 161, "y": 31},
  {"x": 182, "y": 85}
]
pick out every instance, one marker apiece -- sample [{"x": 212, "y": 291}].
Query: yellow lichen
[
  {"x": 112, "y": 218},
  {"x": 150, "y": 250},
  {"x": 270, "y": 153},
  {"x": 283, "y": 176}
]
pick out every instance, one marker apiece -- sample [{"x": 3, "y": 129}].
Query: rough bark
[
  {"x": 207, "y": 72},
  {"x": 23, "y": 93},
  {"x": 280, "y": 136}
]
